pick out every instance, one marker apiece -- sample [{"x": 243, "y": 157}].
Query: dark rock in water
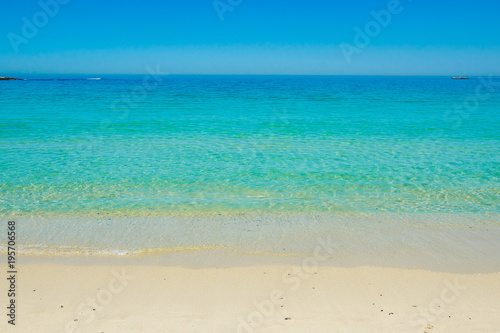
[{"x": 7, "y": 78}]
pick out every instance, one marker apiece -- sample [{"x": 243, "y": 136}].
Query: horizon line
[{"x": 194, "y": 74}]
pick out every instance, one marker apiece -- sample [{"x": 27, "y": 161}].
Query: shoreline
[
  {"x": 435, "y": 242},
  {"x": 201, "y": 292}
]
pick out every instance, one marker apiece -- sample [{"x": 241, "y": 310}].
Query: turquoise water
[
  {"x": 259, "y": 164},
  {"x": 201, "y": 144}
]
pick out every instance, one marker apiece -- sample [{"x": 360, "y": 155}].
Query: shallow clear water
[
  {"x": 124, "y": 146},
  {"x": 338, "y": 144}
]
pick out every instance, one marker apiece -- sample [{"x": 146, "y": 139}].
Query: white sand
[{"x": 59, "y": 297}]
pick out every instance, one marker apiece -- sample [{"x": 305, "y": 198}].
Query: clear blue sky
[{"x": 426, "y": 37}]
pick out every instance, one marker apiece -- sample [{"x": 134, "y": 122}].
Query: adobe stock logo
[
  {"x": 48, "y": 9},
  {"x": 222, "y": 6}
]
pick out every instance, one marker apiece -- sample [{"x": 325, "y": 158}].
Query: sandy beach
[
  {"x": 230, "y": 166},
  {"x": 214, "y": 292}
]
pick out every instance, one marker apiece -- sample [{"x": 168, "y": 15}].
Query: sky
[{"x": 306, "y": 37}]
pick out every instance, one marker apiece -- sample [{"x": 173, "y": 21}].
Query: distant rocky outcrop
[{"x": 7, "y": 78}]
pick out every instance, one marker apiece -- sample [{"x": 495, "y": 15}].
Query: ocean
[{"x": 138, "y": 163}]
